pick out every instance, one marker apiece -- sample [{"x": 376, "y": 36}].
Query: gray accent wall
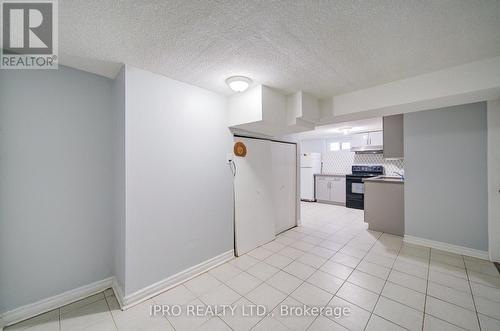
[
  {"x": 446, "y": 196},
  {"x": 55, "y": 183}
]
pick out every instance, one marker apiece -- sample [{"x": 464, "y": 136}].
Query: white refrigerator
[{"x": 310, "y": 164}]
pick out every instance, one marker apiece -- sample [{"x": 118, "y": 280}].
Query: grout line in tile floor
[
  {"x": 472, "y": 293},
  {"x": 346, "y": 277},
  {"x": 355, "y": 268},
  {"x": 426, "y": 287},
  {"x": 109, "y": 308},
  {"x": 385, "y": 283},
  {"x": 317, "y": 269},
  {"x": 451, "y": 303},
  {"x": 304, "y": 281}
]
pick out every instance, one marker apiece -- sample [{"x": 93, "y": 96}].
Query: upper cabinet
[
  {"x": 376, "y": 138},
  {"x": 359, "y": 140},
  {"x": 393, "y": 137},
  {"x": 368, "y": 141}
]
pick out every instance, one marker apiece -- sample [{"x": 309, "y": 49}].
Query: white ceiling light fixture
[{"x": 238, "y": 83}]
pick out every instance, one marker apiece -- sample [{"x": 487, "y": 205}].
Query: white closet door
[
  {"x": 284, "y": 171},
  {"x": 254, "y": 217}
]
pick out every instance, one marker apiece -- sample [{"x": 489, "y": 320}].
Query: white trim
[
  {"x": 447, "y": 247},
  {"x": 118, "y": 291},
  {"x": 169, "y": 282},
  {"x": 24, "y": 312}
]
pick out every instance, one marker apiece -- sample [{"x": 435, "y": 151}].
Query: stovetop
[
  {"x": 366, "y": 171},
  {"x": 364, "y": 175}
]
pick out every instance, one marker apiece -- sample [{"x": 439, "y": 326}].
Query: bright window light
[
  {"x": 346, "y": 145},
  {"x": 334, "y": 147}
]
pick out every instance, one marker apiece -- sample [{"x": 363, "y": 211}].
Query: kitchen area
[{"x": 357, "y": 165}]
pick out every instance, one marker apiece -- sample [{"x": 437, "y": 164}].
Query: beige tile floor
[{"x": 332, "y": 259}]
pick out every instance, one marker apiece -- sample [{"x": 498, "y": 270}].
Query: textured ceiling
[{"x": 321, "y": 47}]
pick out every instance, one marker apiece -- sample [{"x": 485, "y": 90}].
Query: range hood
[{"x": 368, "y": 149}]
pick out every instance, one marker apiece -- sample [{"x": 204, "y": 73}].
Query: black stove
[{"x": 355, "y": 188}]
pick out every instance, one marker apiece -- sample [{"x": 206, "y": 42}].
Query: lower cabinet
[
  {"x": 322, "y": 188},
  {"x": 338, "y": 187},
  {"x": 330, "y": 189}
]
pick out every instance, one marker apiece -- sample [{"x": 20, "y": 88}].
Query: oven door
[
  {"x": 355, "y": 186},
  {"x": 358, "y": 188},
  {"x": 355, "y": 189}
]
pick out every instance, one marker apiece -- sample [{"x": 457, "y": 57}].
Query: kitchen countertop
[
  {"x": 385, "y": 179},
  {"x": 330, "y": 175}
]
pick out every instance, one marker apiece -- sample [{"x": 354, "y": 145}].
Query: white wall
[
  {"x": 118, "y": 94},
  {"x": 446, "y": 186},
  {"x": 245, "y": 107},
  {"x": 55, "y": 183},
  {"x": 178, "y": 186},
  {"x": 313, "y": 146},
  {"x": 494, "y": 178}
]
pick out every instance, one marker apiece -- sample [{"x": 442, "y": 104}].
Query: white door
[
  {"x": 338, "y": 191},
  {"x": 284, "y": 158},
  {"x": 322, "y": 188},
  {"x": 254, "y": 216},
  {"x": 376, "y": 138}
]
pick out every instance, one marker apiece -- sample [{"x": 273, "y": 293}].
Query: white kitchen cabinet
[
  {"x": 338, "y": 190},
  {"x": 359, "y": 140},
  {"x": 375, "y": 138},
  {"x": 322, "y": 188},
  {"x": 330, "y": 189}
]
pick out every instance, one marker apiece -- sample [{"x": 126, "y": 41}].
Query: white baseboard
[
  {"x": 169, "y": 282},
  {"x": 447, "y": 247},
  {"x": 24, "y": 312},
  {"x": 117, "y": 289}
]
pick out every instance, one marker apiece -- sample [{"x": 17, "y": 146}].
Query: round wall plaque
[{"x": 240, "y": 149}]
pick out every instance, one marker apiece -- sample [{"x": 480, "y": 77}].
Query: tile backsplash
[{"x": 341, "y": 162}]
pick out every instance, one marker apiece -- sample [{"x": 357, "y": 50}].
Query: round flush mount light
[{"x": 238, "y": 83}]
